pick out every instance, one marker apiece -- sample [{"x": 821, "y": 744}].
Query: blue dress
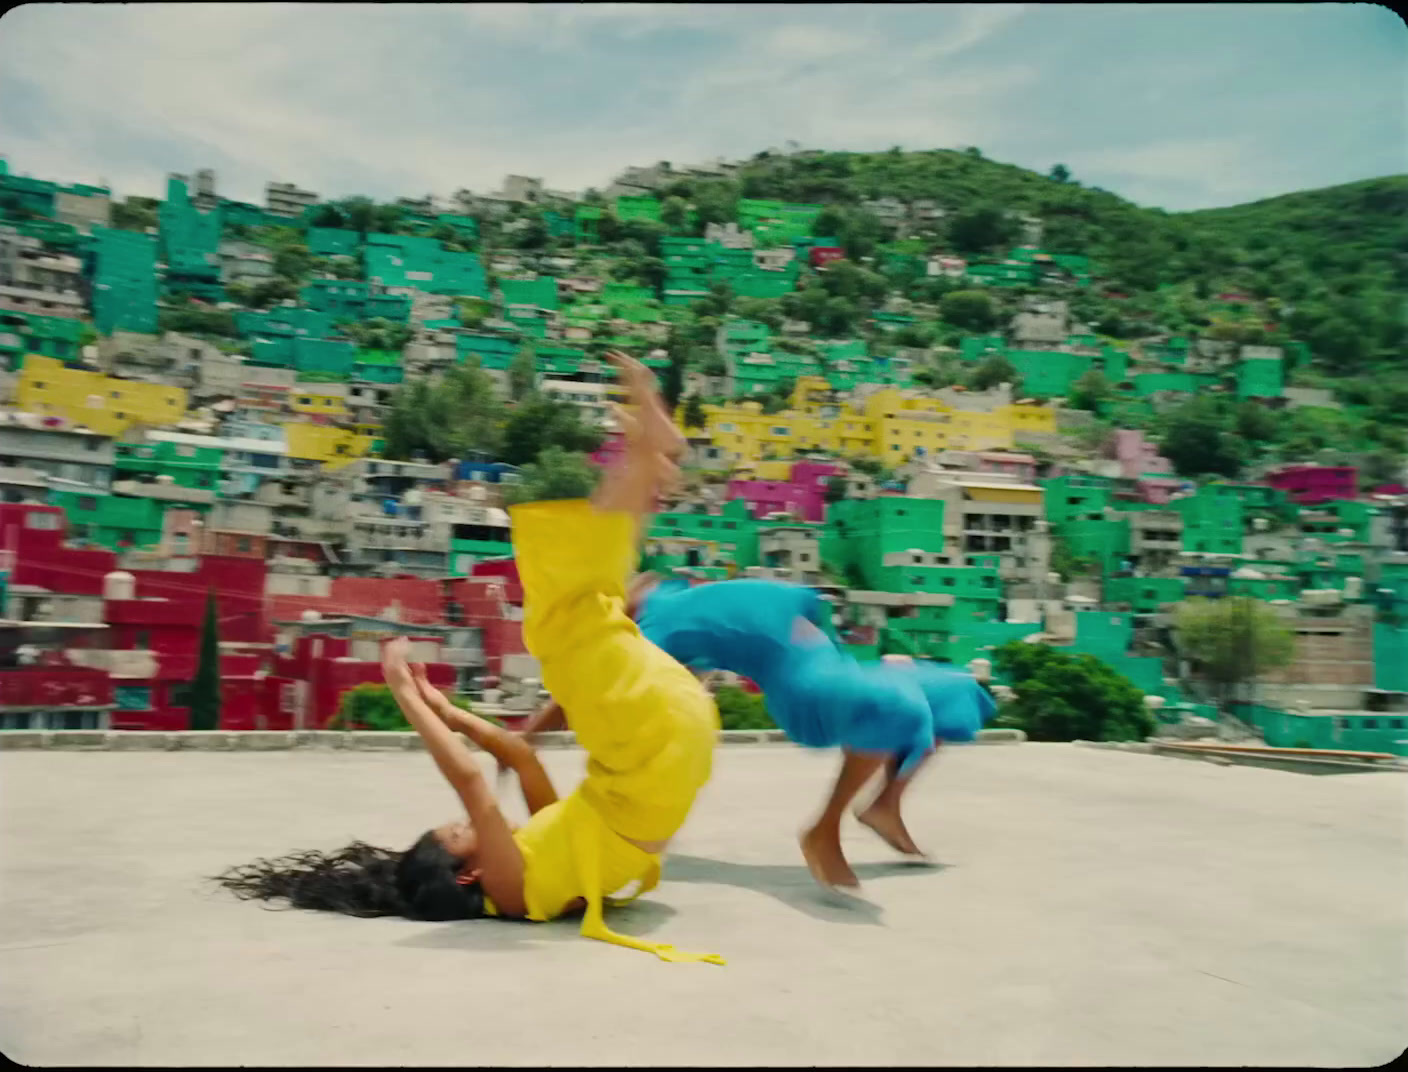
[{"x": 818, "y": 695}]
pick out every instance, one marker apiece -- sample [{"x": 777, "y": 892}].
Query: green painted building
[
  {"x": 187, "y": 466},
  {"x": 124, "y": 281},
  {"x": 352, "y": 300},
  {"x": 30, "y": 333},
  {"x": 686, "y": 540}
]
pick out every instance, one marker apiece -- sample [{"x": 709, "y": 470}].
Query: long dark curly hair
[{"x": 362, "y": 880}]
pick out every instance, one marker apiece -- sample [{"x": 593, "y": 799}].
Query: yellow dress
[{"x": 648, "y": 726}]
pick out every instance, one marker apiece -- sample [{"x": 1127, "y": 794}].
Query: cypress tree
[{"x": 205, "y": 689}]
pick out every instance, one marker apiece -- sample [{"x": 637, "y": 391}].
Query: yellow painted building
[
  {"x": 104, "y": 403},
  {"x": 325, "y": 443},
  {"x": 326, "y": 399},
  {"x": 889, "y": 429}
]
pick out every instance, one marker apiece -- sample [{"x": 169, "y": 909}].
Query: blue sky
[{"x": 1179, "y": 106}]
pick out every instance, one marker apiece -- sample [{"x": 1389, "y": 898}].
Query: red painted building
[
  {"x": 306, "y": 686},
  {"x": 820, "y": 256},
  {"x": 1309, "y": 484}
]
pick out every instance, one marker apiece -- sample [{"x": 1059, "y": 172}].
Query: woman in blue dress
[{"x": 889, "y": 715}]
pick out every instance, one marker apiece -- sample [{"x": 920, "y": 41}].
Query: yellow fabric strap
[
  {"x": 586, "y": 849},
  {"x": 651, "y": 880}
]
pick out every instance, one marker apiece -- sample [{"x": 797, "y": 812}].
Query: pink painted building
[
  {"x": 612, "y": 447},
  {"x": 1316, "y": 483},
  {"x": 1021, "y": 466},
  {"x": 803, "y": 495},
  {"x": 1138, "y": 457}
]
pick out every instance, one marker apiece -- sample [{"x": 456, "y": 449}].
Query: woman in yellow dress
[{"x": 647, "y": 724}]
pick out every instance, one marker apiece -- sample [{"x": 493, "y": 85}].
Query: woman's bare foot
[
  {"x": 826, "y": 861},
  {"x": 887, "y": 823}
]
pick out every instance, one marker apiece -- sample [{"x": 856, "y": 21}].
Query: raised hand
[
  {"x": 395, "y": 667},
  {"x": 436, "y": 700}
]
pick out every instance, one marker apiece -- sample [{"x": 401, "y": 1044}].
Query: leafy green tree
[
  {"x": 205, "y": 687},
  {"x": 982, "y": 229},
  {"x": 971, "y": 310},
  {"x": 327, "y": 216},
  {"x": 523, "y": 372},
  {"x": 1091, "y": 392},
  {"x": 554, "y": 474},
  {"x": 1068, "y": 565},
  {"x": 373, "y": 707},
  {"x": 1230, "y": 643},
  {"x": 673, "y": 213},
  {"x": 450, "y": 417},
  {"x": 694, "y": 415},
  {"x": 994, "y": 371},
  {"x": 134, "y": 214},
  {"x": 1060, "y": 173},
  {"x": 835, "y": 489},
  {"x": 472, "y": 311},
  {"x": 368, "y": 707},
  {"x": 1062, "y": 697},
  {"x": 1198, "y": 440},
  {"x": 740, "y": 710},
  {"x": 539, "y": 422}
]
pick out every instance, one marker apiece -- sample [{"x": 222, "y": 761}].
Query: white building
[{"x": 286, "y": 199}]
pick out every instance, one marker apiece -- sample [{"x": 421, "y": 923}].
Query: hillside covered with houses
[{"x": 971, "y": 404}]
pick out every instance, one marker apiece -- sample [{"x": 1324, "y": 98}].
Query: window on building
[
  {"x": 15, "y": 720},
  {"x": 1342, "y": 724},
  {"x": 41, "y": 521},
  {"x": 179, "y": 695},
  {"x": 133, "y": 697},
  {"x": 948, "y": 582},
  {"x": 1369, "y": 724}
]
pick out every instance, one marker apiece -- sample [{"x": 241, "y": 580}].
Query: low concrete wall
[
  {"x": 1295, "y": 764},
  {"x": 366, "y": 741}
]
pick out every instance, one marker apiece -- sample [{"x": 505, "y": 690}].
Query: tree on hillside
[
  {"x": 445, "y": 418},
  {"x": 538, "y": 423},
  {"x": 1091, "y": 391},
  {"x": 523, "y": 372},
  {"x": 971, "y": 310},
  {"x": 673, "y": 213},
  {"x": 205, "y": 687},
  {"x": 1062, "y": 697},
  {"x": 1060, "y": 173},
  {"x": 555, "y": 474},
  {"x": 377, "y": 334},
  {"x": 982, "y": 229},
  {"x": 1230, "y": 643},
  {"x": 994, "y": 371},
  {"x": 1197, "y": 440},
  {"x": 694, "y": 416}
]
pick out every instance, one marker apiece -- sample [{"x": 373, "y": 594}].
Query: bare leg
[
  {"x": 821, "y": 845},
  {"x": 883, "y": 814}
]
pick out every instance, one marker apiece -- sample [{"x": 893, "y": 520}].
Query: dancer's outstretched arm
[
  {"x": 508, "y": 749},
  {"x": 546, "y": 719},
  {"x": 500, "y": 859}
]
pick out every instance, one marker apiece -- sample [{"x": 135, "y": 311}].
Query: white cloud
[
  {"x": 412, "y": 98},
  {"x": 398, "y": 96}
]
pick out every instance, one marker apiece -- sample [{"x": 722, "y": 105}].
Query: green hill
[{"x": 1332, "y": 262}]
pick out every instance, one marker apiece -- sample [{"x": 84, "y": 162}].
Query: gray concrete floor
[{"x": 1092, "y": 908}]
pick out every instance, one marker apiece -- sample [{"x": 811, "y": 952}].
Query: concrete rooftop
[{"x": 1092, "y": 908}]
